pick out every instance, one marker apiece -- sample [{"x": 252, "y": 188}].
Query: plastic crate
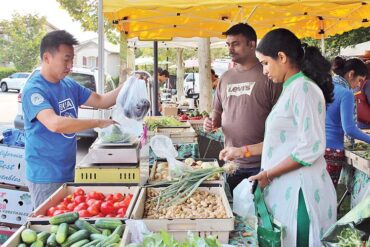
[
  {"x": 101, "y": 173},
  {"x": 179, "y": 227}
]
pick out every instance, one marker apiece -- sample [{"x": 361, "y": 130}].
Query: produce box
[
  {"x": 5, "y": 233},
  {"x": 12, "y": 165},
  {"x": 15, "y": 204},
  {"x": 169, "y": 110},
  {"x": 196, "y": 124},
  {"x": 38, "y": 226},
  {"x": 86, "y": 172},
  {"x": 70, "y": 188},
  {"x": 178, "y": 227},
  {"x": 159, "y": 171},
  {"x": 179, "y": 134}
]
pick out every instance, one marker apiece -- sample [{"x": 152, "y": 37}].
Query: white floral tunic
[{"x": 296, "y": 128}]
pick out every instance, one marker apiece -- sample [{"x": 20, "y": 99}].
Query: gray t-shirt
[{"x": 241, "y": 104}]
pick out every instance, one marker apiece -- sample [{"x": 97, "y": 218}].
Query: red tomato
[
  {"x": 100, "y": 215},
  {"x": 81, "y": 206},
  {"x": 97, "y": 203},
  {"x": 58, "y": 211},
  {"x": 51, "y": 211},
  {"x": 117, "y": 197},
  {"x": 122, "y": 211},
  {"x": 126, "y": 202},
  {"x": 96, "y": 195},
  {"x": 61, "y": 206},
  {"x": 84, "y": 213},
  {"x": 120, "y": 216},
  {"x": 108, "y": 208},
  {"x": 79, "y": 199},
  {"x": 109, "y": 197},
  {"x": 71, "y": 206},
  {"x": 67, "y": 199},
  {"x": 79, "y": 192},
  {"x": 90, "y": 201},
  {"x": 93, "y": 210},
  {"x": 116, "y": 205}
]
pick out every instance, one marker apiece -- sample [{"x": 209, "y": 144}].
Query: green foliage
[
  {"x": 116, "y": 81},
  {"x": 21, "y": 39},
  {"x": 5, "y": 72},
  {"x": 335, "y": 42},
  {"x": 86, "y": 12}
]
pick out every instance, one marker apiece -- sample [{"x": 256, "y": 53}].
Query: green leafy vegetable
[{"x": 114, "y": 136}]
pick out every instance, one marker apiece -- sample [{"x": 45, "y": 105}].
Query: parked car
[
  {"x": 14, "y": 81},
  {"x": 191, "y": 83},
  {"x": 86, "y": 78}
]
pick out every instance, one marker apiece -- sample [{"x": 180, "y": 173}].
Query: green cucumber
[
  {"x": 100, "y": 237},
  {"x": 22, "y": 245},
  {"x": 108, "y": 223},
  {"x": 54, "y": 228},
  {"x": 114, "y": 238},
  {"x": 62, "y": 233},
  {"x": 92, "y": 243},
  {"x": 83, "y": 224},
  {"x": 113, "y": 245},
  {"x": 119, "y": 230},
  {"x": 75, "y": 237},
  {"x": 69, "y": 217},
  {"x": 51, "y": 241},
  {"x": 72, "y": 230},
  {"x": 106, "y": 232},
  {"x": 37, "y": 243},
  {"x": 28, "y": 236},
  {"x": 80, "y": 243},
  {"x": 43, "y": 236}
]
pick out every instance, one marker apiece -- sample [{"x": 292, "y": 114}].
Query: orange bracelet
[{"x": 246, "y": 151}]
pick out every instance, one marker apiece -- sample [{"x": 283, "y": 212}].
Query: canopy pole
[
  {"x": 155, "y": 110},
  {"x": 323, "y": 44},
  {"x": 100, "y": 48}
]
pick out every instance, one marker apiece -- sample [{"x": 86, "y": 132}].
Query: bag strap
[{"x": 261, "y": 209}]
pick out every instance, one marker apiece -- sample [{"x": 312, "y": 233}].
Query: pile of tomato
[{"x": 93, "y": 204}]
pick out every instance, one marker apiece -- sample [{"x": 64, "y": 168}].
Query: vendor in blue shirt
[
  {"x": 50, "y": 106},
  {"x": 340, "y": 115}
]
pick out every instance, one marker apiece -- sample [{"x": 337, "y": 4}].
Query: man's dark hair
[
  {"x": 244, "y": 29},
  {"x": 51, "y": 41},
  {"x": 165, "y": 73}
]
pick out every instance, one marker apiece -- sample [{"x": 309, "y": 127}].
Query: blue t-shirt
[
  {"x": 50, "y": 156},
  {"x": 340, "y": 120}
]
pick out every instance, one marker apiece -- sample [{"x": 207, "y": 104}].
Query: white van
[{"x": 87, "y": 78}]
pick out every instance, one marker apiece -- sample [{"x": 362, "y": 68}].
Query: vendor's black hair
[
  {"x": 341, "y": 66},
  {"x": 242, "y": 28},
  {"x": 165, "y": 73},
  {"x": 51, "y": 41},
  {"x": 307, "y": 58}
]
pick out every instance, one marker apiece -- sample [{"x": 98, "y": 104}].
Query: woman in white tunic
[{"x": 297, "y": 187}]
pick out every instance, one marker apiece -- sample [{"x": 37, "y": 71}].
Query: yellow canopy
[{"x": 164, "y": 19}]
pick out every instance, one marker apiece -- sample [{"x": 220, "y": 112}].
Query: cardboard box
[
  {"x": 169, "y": 110},
  {"x": 15, "y": 204},
  {"x": 68, "y": 189},
  {"x": 179, "y": 227},
  {"x": 12, "y": 165}
]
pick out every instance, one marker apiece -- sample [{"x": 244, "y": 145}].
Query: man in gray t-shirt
[{"x": 244, "y": 97}]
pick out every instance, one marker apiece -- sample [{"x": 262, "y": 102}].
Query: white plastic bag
[
  {"x": 133, "y": 99},
  {"x": 162, "y": 147},
  {"x": 243, "y": 203},
  {"x": 138, "y": 230},
  {"x": 114, "y": 134},
  {"x": 131, "y": 126}
]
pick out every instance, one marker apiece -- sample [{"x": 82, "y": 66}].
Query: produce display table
[{"x": 245, "y": 233}]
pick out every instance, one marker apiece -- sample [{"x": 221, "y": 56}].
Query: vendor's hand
[
  {"x": 262, "y": 179},
  {"x": 231, "y": 153},
  {"x": 103, "y": 123},
  {"x": 208, "y": 125}
]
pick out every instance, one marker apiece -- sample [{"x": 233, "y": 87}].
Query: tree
[
  {"x": 21, "y": 40},
  {"x": 335, "y": 42},
  {"x": 86, "y": 12}
]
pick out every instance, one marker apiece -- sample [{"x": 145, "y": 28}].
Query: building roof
[{"x": 109, "y": 47}]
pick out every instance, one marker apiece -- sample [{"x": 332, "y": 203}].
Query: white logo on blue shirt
[
  {"x": 67, "y": 109},
  {"x": 37, "y": 99}
]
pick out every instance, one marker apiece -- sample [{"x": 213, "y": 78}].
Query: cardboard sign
[{"x": 12, "y": 165}]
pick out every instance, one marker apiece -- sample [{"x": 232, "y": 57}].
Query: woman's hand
[
  {"x": 262, "y": 178},
  {"x": 231, "y": 153}
]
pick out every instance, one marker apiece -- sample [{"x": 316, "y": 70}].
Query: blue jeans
[{"x": 41, "y": 192}]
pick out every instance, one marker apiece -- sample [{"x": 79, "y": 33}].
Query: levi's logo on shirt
[{"x": 240, "y": 89}]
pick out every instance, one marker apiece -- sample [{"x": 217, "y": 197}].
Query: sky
[{"x": 48, "y": 8}]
